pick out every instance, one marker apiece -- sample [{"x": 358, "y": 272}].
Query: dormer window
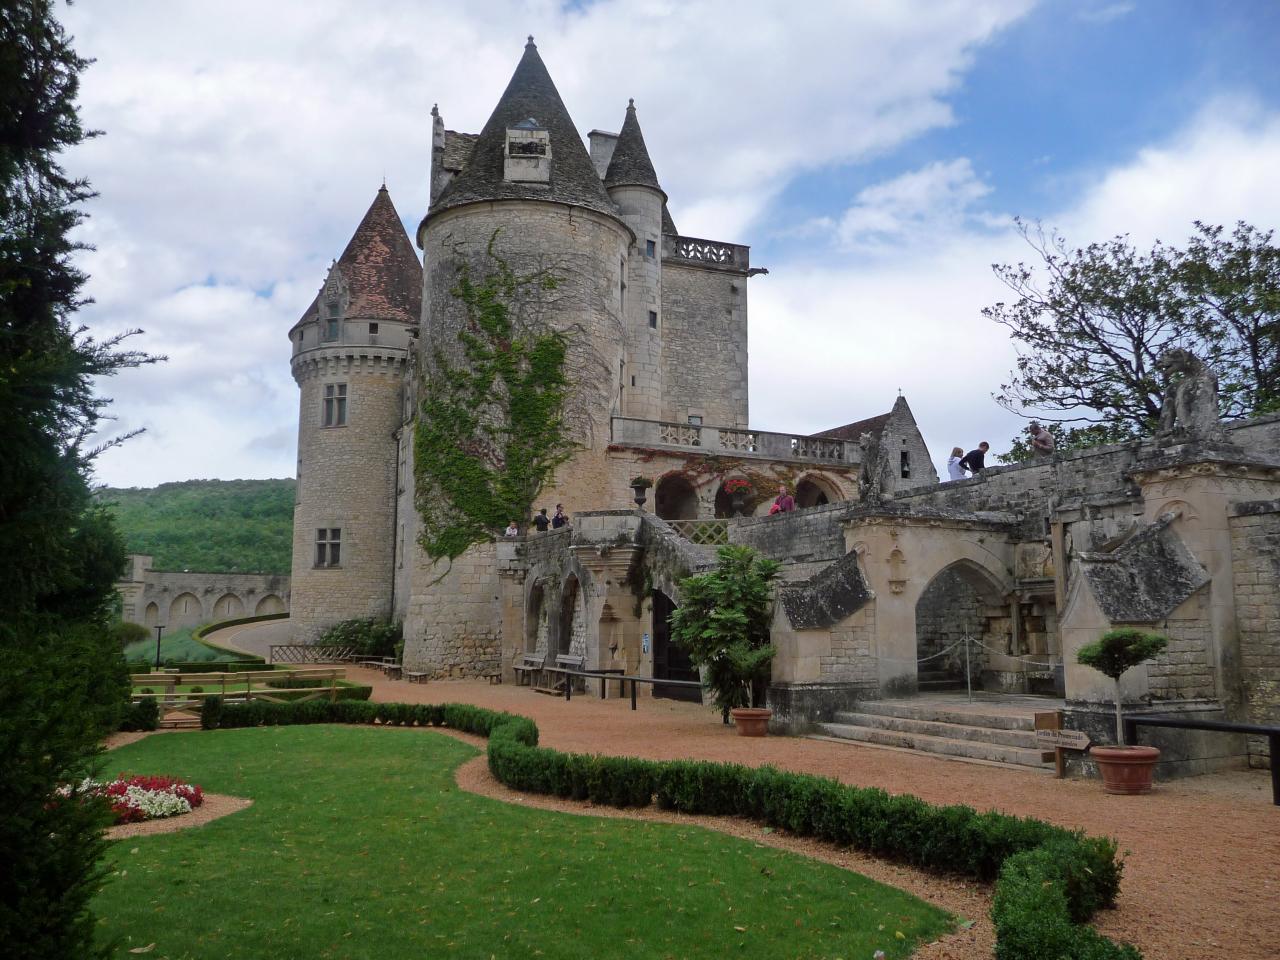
[
  {"x": 528, "y": 154},
  {"x": 333, "y": 305}
]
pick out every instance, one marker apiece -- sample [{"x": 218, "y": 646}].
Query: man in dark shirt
[
  {"x": 975, "y": 460},
  {"x": 561, "y": 519},
  {"x": 541, "y": 522}
]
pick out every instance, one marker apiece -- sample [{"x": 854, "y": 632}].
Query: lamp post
[{"x": 159, "y": 630}]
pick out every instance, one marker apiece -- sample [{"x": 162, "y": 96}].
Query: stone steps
[
  {"x": 958, "y": 730},
  {"x": 941, "y": 746},
  {"x": 1024, "y": 739}
]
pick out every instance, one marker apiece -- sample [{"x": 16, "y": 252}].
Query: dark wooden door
[{"x": 670, "y": 660}]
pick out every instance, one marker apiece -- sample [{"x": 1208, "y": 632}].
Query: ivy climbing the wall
[{"x": 490, "y": 430}]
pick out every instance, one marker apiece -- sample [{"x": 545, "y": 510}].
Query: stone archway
[
  {"x": 572, "y": 638},
  {"x": 815, "y": 490},
  {"x": 152, "y": 615},
  {"x": 228, "y": 607},
  {"x": 185, "y": 611},
  {"x": 270, "y": 604},
  {"x": 537, "y": 627},
  {"x": 670, "y": 661},
  {"x": 674, "y": 498},
  {"x": 961, "y": 600}
]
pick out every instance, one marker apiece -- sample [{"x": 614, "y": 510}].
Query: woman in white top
[{"x": 954, "y": 470}]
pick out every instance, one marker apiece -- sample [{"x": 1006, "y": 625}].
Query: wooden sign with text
[{"x": 1063, "y": 739}]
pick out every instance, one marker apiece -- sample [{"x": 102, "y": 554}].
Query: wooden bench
[
  {"x": 566, "y": 664},
  {"x": 416, "y": 676},
  {"x": 527, "y": 669},
  {"x": 493, "y": 676}
]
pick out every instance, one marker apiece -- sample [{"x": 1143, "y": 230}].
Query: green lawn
[{"x": 360, "y": 845}]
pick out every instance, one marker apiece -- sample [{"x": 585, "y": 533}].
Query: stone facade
[
  {"x": 184, "y": 598},
  {"x": 1255, "y": 567}
]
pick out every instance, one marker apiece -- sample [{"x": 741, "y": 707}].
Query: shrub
[
  {"x": 126, "y": 633},
  {"x": 197, "y": 689},
  {"x": 142, "y": 715},
  {"x": 211, "y": 713},
  {"x": 368, "y": 636}
]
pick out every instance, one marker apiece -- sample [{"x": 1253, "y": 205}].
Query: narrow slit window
[
  {"x": 650, "y": 248},
  {"x": 653, "y": 319}
]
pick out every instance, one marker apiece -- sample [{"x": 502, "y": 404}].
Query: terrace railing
[{"x": 733, "y": 441}]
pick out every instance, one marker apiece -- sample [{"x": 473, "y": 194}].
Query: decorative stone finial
[
  {"x": 631, "y": 103},
  {"x": 530, "y": 43},
  {"x": 435, "y": 109}
]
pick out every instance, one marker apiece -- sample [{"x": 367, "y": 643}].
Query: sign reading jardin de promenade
[{"x": 1066, "y": 739}]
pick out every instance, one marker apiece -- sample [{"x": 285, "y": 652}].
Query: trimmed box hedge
[{"x": 1048, "y": 880}]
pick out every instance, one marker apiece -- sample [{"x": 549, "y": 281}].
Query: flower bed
[{"x": 137, "y": 798}]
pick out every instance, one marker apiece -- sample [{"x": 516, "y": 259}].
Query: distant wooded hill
[{"x": 218, "y": 526}]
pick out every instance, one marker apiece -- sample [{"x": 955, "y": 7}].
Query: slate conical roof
[
  {"x": 531, "y": 94},
  {"x": 630, "y": 165},
  {"x": 380, "y": 268}
]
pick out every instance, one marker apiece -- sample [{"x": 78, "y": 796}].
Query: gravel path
[{"x": 1203, "y": 874}]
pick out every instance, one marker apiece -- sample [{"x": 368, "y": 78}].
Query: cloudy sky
[{"x": 873, "y": 154}]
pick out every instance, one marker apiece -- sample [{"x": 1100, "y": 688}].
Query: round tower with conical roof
[
  {"x": 633, "y": 186},
  {"x": 351, "y": 352},
  {"x": 528, "y": 192}
]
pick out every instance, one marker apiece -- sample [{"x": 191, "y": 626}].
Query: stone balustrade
[
  {"x": 707, "y": 253},
  {"x": 733, "y": 441}
]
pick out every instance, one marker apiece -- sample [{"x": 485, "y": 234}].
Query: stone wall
[
  {"x": 816, "y": 533},
  {"x": 182, "y": 598},
  {"x": 1185, "y": 670},
  {"x": 453, "y": 621},
  {"x": 704, "y": 344},
  {"x": 1255, "y": 563}
]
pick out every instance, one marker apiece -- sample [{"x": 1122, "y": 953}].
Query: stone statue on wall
[{"x": 1190, "y": 408}]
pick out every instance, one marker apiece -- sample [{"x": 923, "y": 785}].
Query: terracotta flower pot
[
  {"x": 1125, "y": 770},
  {"x": 751, "y": 721}
]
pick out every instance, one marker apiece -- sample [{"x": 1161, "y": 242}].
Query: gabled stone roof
[
  {"x": 380, "y": 268},
  {"x": 630, "y": 165},
  {"x": 1146, "y": 577},
  {"x": 531, "y": 94},
  {"x": 854, "y": 431}
]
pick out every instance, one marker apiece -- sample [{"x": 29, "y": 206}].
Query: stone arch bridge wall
[{"x": 206, "y": 596}]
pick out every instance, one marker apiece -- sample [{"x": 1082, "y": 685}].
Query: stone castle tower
[
  {"x": 656, "y": 327},
  {"x": 351, "y": 350}
]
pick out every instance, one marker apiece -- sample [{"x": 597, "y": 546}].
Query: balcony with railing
[
  {"x": 732, "y": 441},
  {"x": 707, "y": 253}
]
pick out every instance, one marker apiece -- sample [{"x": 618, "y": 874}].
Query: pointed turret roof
[
  {"x": 531, "y": 95},
  {"x": 380, "y": 268},
  {"x": 630, "y": 165}
]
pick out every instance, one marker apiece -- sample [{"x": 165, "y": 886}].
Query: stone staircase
[{"x": 996, "y": 730}]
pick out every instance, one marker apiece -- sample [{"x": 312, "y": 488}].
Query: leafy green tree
[
  {"x": 63, "y": 684},
  {"x": 1090, "y": 325},
  {"x": 723, "y": 622}
]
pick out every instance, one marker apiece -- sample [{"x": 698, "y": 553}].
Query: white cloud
[{"x": 924, "y": 206}]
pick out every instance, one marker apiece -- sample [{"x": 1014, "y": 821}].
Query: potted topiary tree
[
  {"x": 723, "y": 623},
  {"x": 1124, "y": 769},
  {"x": 638, "y": 486}
]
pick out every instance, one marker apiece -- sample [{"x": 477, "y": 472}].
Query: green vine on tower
[{"x": 490, "y": 429}]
